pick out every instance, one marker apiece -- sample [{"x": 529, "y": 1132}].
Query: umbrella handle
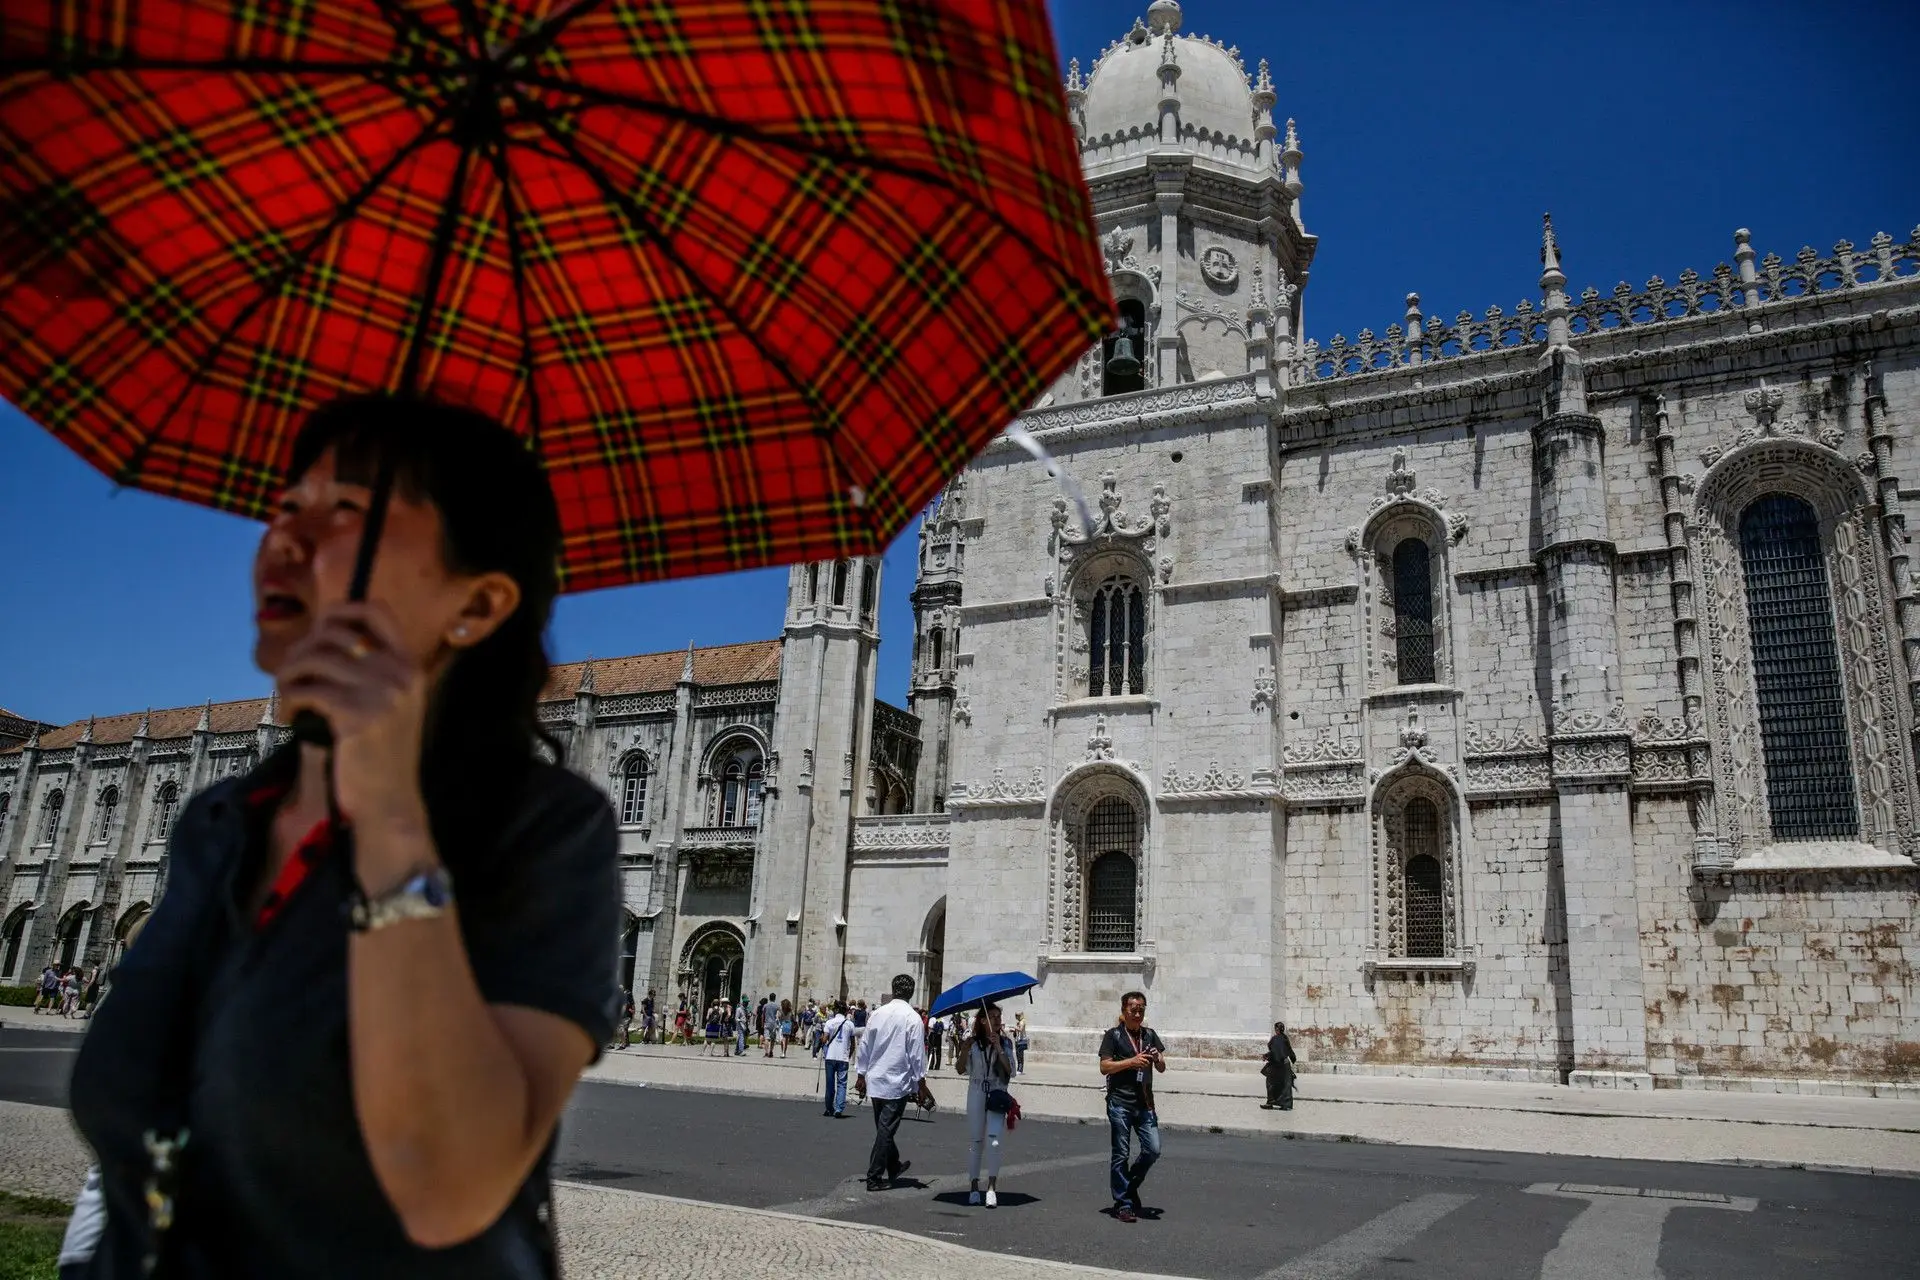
[{"x": 310, "y": 726}]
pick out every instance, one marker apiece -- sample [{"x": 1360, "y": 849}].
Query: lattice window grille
[
  {"x": 1112, "y": 876},
  {"x": 50, "y": 818},
  {"x": 1796, "y": 672},
  {"x": 1116, "y": 639},
  {"x": 1425, "y": 881},
  {"x": 1413, "y": 611}
]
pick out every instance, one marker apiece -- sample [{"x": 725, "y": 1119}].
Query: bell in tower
[{"x": 1124, "y": 369}]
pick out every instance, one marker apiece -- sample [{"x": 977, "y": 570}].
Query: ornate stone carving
[
  {"x": 1218, "y": 266},
  {"x": 1480, "y": 742},
  {"x": 1263, "y": 689},
  {"x": 963, "y": 708},
  {"x": 999, "y": 791},
  {"x": 907, "y": 832},
  {"x": 1576, "y": 720},
  {"x": 1508, "y": 773},
  {"x": 737, "y": 695},
  {"x": 1215, "y": 312},
  {"x": 1391, "y": 853},
  {"x": 1213, "y": 780},
  {"x": 1327, "y": 748},
  {"x": 1117, "y": 245},
  {"x": 634, "y": 704},
  {"x": 1099, "y": 741}
]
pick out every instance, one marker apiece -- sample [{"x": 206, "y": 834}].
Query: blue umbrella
[{"x": 982, "y": 988}]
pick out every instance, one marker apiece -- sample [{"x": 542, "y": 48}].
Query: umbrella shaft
[{"x": 310, "y": 726}]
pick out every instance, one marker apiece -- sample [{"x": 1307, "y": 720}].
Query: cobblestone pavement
[
  {"x": 610, "y": 1234},
  {"x": 1815, "y": 1131}
]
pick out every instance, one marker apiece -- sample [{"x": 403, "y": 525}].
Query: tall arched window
[
  {"x": 1413, "y": 611},
  {"x": 10, "y": 937},
  {"x": 840, "y": 582},
  {"x": 165, "y": 801},
  {"x": 1425, "y": 882},
  {"x": 743, "y": 783},
  {"x": 868, "y": 587},
  {"x": 813, "y": 583},
  {"x": 939, "y": 663},
  {"x": 103, "y": 828},
  {"x": 1796, "y": 673},
  {"x": 1117, "y": 639},
  {"x": 50, "y": 816},
  {"x": 6, "y": 802},
  {"x": 1112, "y": 875},
  {"x": 633, "y": 791}
]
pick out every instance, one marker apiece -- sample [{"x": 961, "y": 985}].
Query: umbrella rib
[
  {"x": 516, "y": 257},
  {"x": 752, "y": 133},
  {"x": 540, "y": 39},
  {"x": 399, "y": 16},
  {"x": 295, "y": 263},
  {"x": 241, "y": 65},
  {"x": 437, "y": 255},
  {"x": 638, "y": 220}
]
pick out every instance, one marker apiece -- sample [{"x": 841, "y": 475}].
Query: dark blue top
[{"x": 240, "y": 1035}]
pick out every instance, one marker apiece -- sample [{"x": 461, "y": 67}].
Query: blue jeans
[
  {"x": 1123, "y": 1120},
  {"x": 836, "y": 1086}
]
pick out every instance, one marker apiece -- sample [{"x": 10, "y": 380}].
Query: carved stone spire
[
  {"x": 145, "y": 727},
  {"x": 1164, "y": 16},
  {"x": 1553, "y": 285},
  {"x": 271, "y": 715},
  {"x": 686, "y": 668},
  {"x": 86, "y": 735},
  {"x": 1290, "y": 158},
  {"x": 206, "y": 718},
  {"x": 1169, "y": 92},
  {"x": 33, "y": 735},
  {"x": 586, "y": 676}
]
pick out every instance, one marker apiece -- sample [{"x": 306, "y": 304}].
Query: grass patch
[{"x": 31, "y": 1228}]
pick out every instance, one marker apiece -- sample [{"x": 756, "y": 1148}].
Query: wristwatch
[{"x": 421, "y": 896}]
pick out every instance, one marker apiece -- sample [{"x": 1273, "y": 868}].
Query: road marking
[
  {"x": 39, "y": 1049},
  {"x": 1368, "y": 1243},
  {"x": 850, "y": 1193},
  {"x": 1617, "y": 1236}
]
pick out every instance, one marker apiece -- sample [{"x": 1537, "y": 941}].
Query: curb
[{"x": 865, "y": 1229}]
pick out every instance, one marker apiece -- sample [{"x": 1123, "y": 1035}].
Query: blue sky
[{"x": 1434, "y": 138}]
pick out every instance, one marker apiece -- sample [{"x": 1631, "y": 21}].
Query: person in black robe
[{"x": 1279, "y": 1071}]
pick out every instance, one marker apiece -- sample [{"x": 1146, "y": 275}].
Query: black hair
[
  {"x": 497, "y": 514},
  {"x": 1141, "y": 996},
  {"x": 902, "y": 987}
]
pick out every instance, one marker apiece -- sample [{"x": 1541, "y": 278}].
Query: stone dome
[{"x": 1216, "y": 97}]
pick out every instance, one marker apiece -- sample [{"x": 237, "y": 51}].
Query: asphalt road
[{"x": 1228, "y": 1206}]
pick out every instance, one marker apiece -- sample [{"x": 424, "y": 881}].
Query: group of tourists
[{"x": 67, "y": 993}]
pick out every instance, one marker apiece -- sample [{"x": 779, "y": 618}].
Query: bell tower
[
  {"x": 934, "y": 694},
  {"x": 823, "y": 730}
]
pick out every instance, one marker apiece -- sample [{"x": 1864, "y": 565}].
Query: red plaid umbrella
[{"x": 754, "y": 276}]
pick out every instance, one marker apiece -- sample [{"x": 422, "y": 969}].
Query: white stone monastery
[{"x": 1528, "y": 694}]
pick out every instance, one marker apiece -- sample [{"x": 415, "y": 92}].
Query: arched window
[
  {"x": 633, "y": 791},
  {"x": 109, "y": 801},
  {"x": 165, "y": 801},
  {"x": 1796, "y": 673},
  {"x": 50, "y": 816},
  {"x": 840, "y": 582},
  {"x": 10, "y": 939},
  {"x": 938, "y": 657},
  {"x": 1413, "y": 611},
  {"x": 813, "y": 583},
  {"x": 1425, "y": 882},
  {"x": 1112, "y": 875},
  {"x": 67, "y": 936},
  {"x": 743, "y": 784},
  {"x": 1117, "y": 639},
  {"x": 6, "y": 802},
  {"x": 868, "y": 583},
  {"x": 1128, "y": 342}
]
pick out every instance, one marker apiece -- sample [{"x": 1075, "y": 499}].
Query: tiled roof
[
  {"x": 748, "y": 663},
  {"x": 10, "y": 715},
  {"x": 168, "y": 722}
]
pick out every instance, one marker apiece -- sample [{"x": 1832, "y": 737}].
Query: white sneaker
[
  {"x": 973, "y": 1197},
  {"x": 992, "y": 1199}
]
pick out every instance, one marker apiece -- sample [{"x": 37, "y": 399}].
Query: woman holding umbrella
[
  {"x": 349, "y": 1029},
  {"x": 985, "y": 1056}
]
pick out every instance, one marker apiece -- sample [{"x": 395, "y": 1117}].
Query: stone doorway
[
  {"x": 933, "y": 947},
  {"x": 715, "y": 964}
]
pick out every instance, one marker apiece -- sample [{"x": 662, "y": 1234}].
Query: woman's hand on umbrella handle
[{"x": 353, "y": 668}]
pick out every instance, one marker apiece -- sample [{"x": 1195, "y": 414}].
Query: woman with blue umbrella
[{"x": 985, "y": 1055}]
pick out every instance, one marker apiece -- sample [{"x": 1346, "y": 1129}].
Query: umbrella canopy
[
  {"x": 754, "y": 278},
  {"x": 982, "y": 988}
]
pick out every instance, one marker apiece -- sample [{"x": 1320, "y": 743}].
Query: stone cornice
[{"x": 1182, "y": 405}]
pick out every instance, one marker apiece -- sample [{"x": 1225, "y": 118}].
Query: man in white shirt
[
  {"x": 837, "y": 1035},
  {"x": 891, "y": 1066}
]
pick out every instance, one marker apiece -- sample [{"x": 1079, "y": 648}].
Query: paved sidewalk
[
  {"x": 610, "y": 1234},
  {"x": 1703, "y": 1126}
]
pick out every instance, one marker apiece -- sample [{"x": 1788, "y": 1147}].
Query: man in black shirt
[
  {"x": 1278, "y": 1070},
  {"x": 1129, "y": 1055}
]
